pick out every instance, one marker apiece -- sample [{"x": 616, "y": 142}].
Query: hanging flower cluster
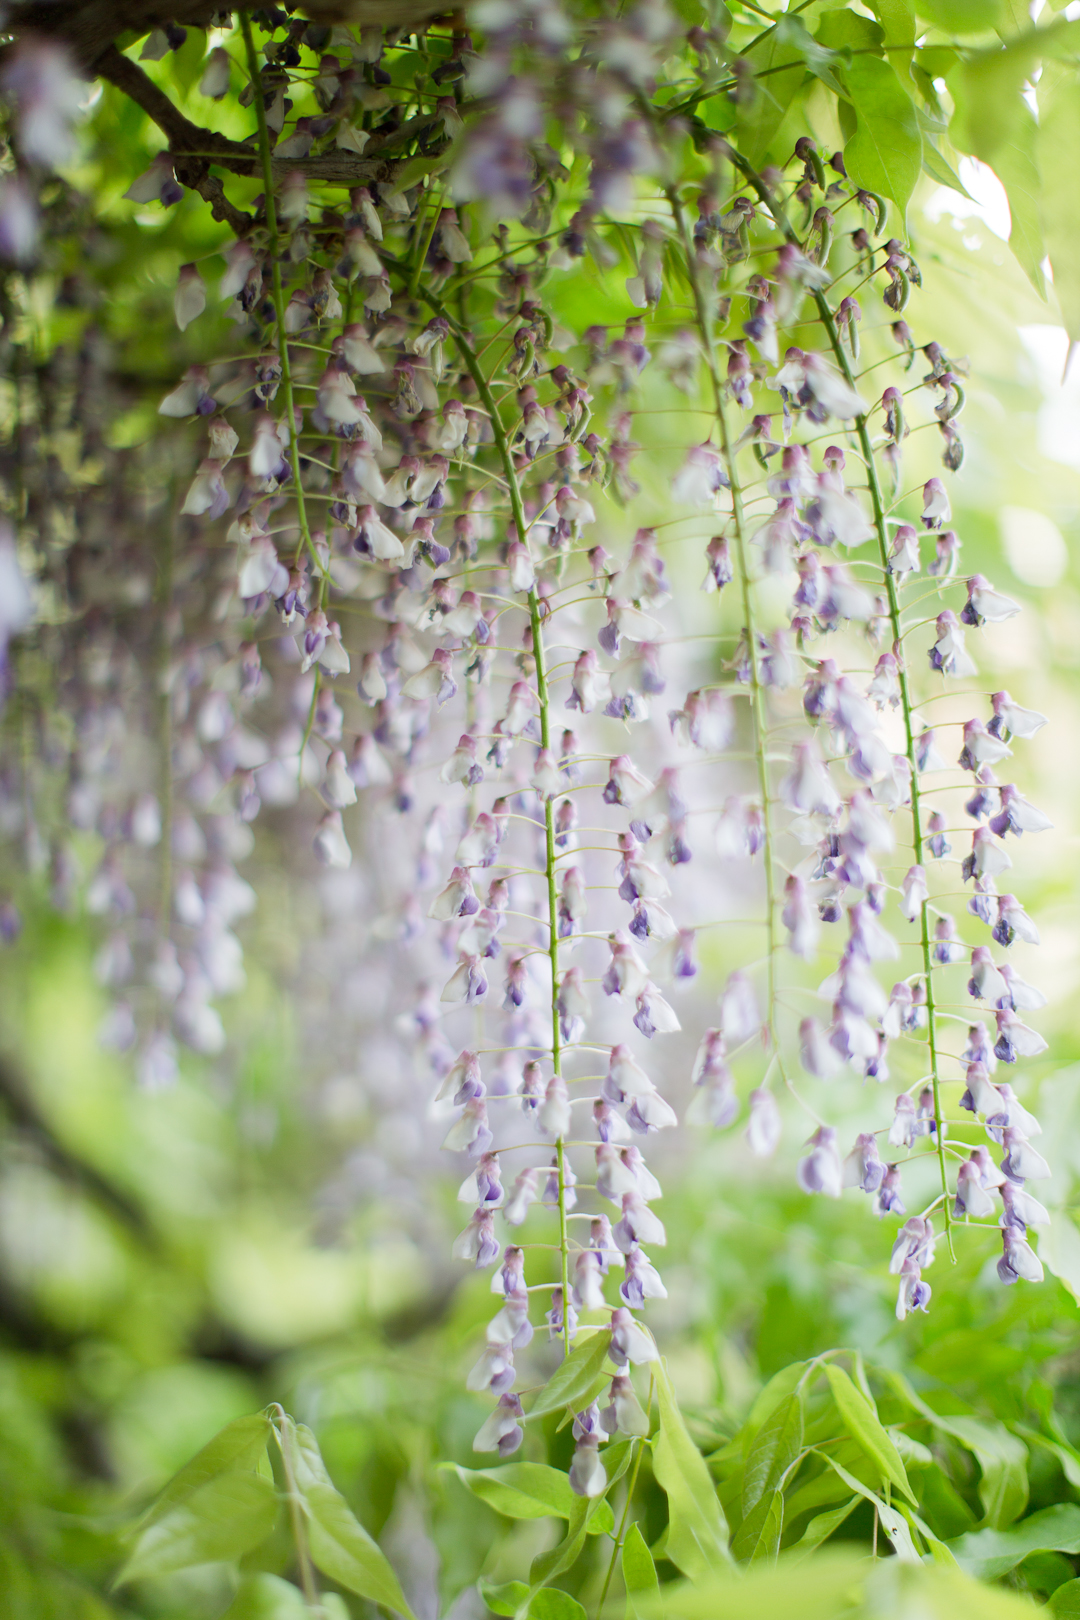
[{"x": 386, "y": 584}]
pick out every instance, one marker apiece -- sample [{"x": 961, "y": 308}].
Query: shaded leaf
[
  {"x": 574, "y": 1378},
  {"x": 992, "y": 1553},
  {"x": 893, "y": 1523},
  {"x": 821, "y": 1528},
  {"x": 697, "y": 1534},
  {"x": 1003, "y": 1488},
  {"x": 865, "y": 1426},
  {"x": 529, "y": 1491}
]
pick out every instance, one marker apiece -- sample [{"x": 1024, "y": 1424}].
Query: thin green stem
[
  {"x": 879, "y": 509},
  {"x": 706, "y": 324},
  {"x": 278, "y": 292}
]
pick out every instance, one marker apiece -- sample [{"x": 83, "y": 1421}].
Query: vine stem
[
  {"x": 862, "y": 430},
  {"x": 278, "y": 295},
  {"x": 502, "y": 445},
  {"x": 757, "y": 689}
]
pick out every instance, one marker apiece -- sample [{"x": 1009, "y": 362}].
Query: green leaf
[
  {"x": 775, "y": 1448},
  {"x": 574, "y": 1378},
  {"x": 1017, "y": 167},
  {"x": 529, "y": 1491},
  {"x": 759, "y": 1534},
  {"x": 986, "y": 88},
  {"x": 885, "y": 152},
  {"x": 267, "y": 1597},
  {"x": 546, "y": 1565},
  {"x": 961, "y": 16},
  {"x": 897, "y": 18},
  {"x": 990, "y": 1554},
  {"x": 1059, "y": 1244},
  {"x": 893, "y": 1523},
  {"x": 551, "y": 1604},
  {"x": 506, "y": 1599},
  {"x": 820, "y": 1529},
  {"x": 1003, "y": 1488},
  {"x": 639, "y": 1571},
  {"x": 780, "y": 1385},
  {"x": 865, "y": 1427},
  {"x": 697, "y": 1534},
  {"x": 222, "y": 1519},
  {"x": 1065, "y": 1602},
  {"x": 339, "y": 1544},
  {"x": 238, "y": 1446},
  {"x": 938, "y": 169}
]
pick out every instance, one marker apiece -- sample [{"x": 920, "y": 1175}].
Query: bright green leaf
[
  {"x": 529, "y": 1491},
  {"x": 759, "y": 1534},
  {"x": 897, "y": 18},
  {"x": 780, "y": 1385},
  {"x": 551, "y": 1604},
  {"x": 961, "y": 16},
  {"x": 551, "y": 1563},
  {"x": 697, "y": 1534},
  {"x": 223, "y": 1519},
  {"x": 775, "y": 1448},
  {"x": 238, "y": 1446},
  {"x": 506, "y": 1599},
  {"x": 339, "y": 1544},
  {"x": 574, "y": 1377},
  {"x": 865, "y": 1427},
  {"x": 885, "y": 152},
  {"x": 938, "y": 169},
  {"x": 992, "y": 1553},
  {"x": 639, "y": 1571},
  {"x": 1065, "y": 1602},
  {"x": 267, "y": 1597},
  {"x": 1016, "y": 166}
]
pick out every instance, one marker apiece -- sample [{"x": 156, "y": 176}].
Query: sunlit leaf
[
  {"x": 885, "y": 152},
  {"x": 339, "y": 1544},
  {"x": 222, "y": 1519},
  {"x": 529, "y": 1491},
  {"x": 573, "y": 1378},
  {"x": 267, "y": 1597},
  {"x": 505, "y": 1599},
  {"x": 551, "y": 1604},
  {"x": 865, "y": 1426},
  {"x": 638, "y": 1569},
  {"x": 775, "y": 1447},
  {"x": 238, "y": 1446},
  {"x": 697, "y": 1534}
]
